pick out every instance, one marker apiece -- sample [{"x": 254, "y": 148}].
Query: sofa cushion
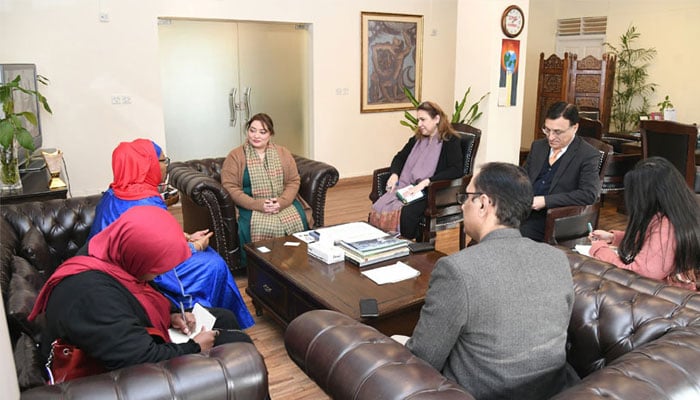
[
  {"x": 610, "y": 319},
  {"x": 28, "y": 363}
]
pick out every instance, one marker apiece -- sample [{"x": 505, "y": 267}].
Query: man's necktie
[{"x": 553, "y": 157}]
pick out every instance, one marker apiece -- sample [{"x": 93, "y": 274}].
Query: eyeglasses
[
  {"x": 462, "y": 197},
  {"x": 166, "y": 160},
  {"x": 555, "y": 132}
]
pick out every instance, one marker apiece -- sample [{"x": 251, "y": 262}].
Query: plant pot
[
  {"x": 669, "y": 114},
  {"x": 9, "y": 168}
]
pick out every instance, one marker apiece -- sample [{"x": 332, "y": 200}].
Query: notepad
[
  {"x": 391, "y": 273},
  {"x": 203, "y": 318}
]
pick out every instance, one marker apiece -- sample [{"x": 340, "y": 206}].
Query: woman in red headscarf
[
  {"x": 103, "y": 303},
  {"x": 139, "y": 167}
]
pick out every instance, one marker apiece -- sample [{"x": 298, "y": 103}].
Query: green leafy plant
[
  {"x": 472, "y": 114},
  {"x": 469, "y": 118},
  {"x": 630, "y": 96},
  {"x": 664, "y": 104},
  {"x": 11, "y": 126},
  {"x": 410, "y": 121}
]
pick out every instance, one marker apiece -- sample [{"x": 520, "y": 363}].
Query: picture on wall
[
  {"x": 508, "y": 82},
  {"x": 392, "y": 54}
]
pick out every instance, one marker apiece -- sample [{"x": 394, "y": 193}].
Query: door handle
[
  {"x": 232, "y": 106},
  {"x": 246, "y": 100}
]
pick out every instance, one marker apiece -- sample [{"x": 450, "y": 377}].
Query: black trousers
[{"x": 411, "y": 215}]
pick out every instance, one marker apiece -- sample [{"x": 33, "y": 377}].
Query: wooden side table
[{"x": 35, "y": 187}]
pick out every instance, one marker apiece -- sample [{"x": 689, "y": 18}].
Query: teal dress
[{"x": 245, "y": 215}]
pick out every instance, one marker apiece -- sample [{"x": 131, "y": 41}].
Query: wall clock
[{"x": 512, "y": 21}]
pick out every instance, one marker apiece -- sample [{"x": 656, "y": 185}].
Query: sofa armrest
[
  {"x": 207, "y": 205},
  {"x": 668, "y": 368},
  {"x": 230, "y": 371},
  {"x": 350, "y": 360},
  {"x": 316, "y": 178}
]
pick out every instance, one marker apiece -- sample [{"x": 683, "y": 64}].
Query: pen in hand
[
  {"x": 590, "y": 229},
  {"x": 185, "y": 330}
]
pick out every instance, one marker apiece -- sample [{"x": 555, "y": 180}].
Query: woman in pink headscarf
[{"x": 103, "y": 303}]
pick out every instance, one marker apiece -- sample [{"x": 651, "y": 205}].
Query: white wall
[
  {"x": 670, "y": 26},
  {"x": 478, "y": 53},
  {"x": 88, "y": 61}
]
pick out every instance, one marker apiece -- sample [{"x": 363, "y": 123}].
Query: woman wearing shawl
[
  {"x": 204, "y": 277},
  {"x": 263, "y": 180},
  {"x": 433, "y": 153},
  {"x": 103, "y": 304}
]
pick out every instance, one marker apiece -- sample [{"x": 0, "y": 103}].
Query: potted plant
[
  {"x": 13, "y": 132},
  {"x": 471, "y": 116},
  {"x": 630, "y": 96},
  {"x": 666, "y": 108}
]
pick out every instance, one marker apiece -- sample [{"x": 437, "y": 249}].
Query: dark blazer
[
  {"x": 577, "y": 180},
  {"x": 449, "y": 164}
]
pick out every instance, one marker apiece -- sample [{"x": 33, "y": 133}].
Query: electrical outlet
[
  {"x": 116, "y": 100},
  {"x": 126, "y": 99},
  {"x": 104, "y": 17}
]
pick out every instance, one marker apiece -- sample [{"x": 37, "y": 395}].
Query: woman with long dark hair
[{"x": 662, "y": 239}]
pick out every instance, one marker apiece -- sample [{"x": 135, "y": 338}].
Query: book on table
[
  {"x": 372, "y": 251},
  {"x": 363, "y": 261},
  {"x": 375, "y": 245},
  {"x": 408, "y": 198}
]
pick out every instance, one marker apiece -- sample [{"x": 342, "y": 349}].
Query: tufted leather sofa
[
  {"x": 207, "y": 205},
  {"x": 629, "y": 338},
  {"x": 36, "y": 238}
]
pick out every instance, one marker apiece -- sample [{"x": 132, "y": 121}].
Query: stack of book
[{"x": 372, "y": 251}]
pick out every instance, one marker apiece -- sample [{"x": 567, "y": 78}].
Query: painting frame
[{"x": 384, "y": 37}]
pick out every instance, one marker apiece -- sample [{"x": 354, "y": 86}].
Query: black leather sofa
[
  {"x": 36, "y": 238},
  {"x": 207, "y": 205},
  {"x": 629, "y": 338}
]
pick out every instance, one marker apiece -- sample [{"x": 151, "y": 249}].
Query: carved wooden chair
[{"x": 442, "y": 211}]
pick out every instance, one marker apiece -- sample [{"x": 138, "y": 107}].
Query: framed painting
[{"x": 392, "y": 56}]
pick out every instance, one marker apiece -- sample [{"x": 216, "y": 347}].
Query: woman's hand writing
[
  {"x": 418, "y": 187},
  {"x": 205, "y": 339},
  {"x": 391, "y": 183},
  {"x": 183, "y": 326},
  {"x": 598, "y": 234}
]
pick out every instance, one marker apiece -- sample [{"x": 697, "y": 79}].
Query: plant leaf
[
  {"x": 24, "y": 138},
  {"x": 6, "y": 133}
]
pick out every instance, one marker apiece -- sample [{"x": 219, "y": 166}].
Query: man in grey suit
[
  {"x": 496, "y": 313},
  {"x": 562, "y": 167}
]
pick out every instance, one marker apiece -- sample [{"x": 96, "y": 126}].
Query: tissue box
[{"x": 327, "y": 253}]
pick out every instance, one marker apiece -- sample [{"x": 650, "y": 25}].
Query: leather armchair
[
  {"x": 442, "y": 210},
  {"x": 629, "y": 337},
  {"x": 207, "y": 205},
  {"x": 36, "y": 238}
]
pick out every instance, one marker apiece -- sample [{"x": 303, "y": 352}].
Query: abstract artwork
[
  {"x": 392, "y": 51},
  {"x": 508, "y": 82}
]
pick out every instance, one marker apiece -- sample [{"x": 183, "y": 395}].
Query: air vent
[{"x": 582, "y": 26}]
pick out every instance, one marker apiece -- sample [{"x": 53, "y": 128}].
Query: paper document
[
  {"x": 391, "y": 273},
  {"x": 405, "y": 198},
  {"x": 350, "y": 232},
  {"x": 304, "y": 236},
  {"x": 203, "y": 318},
  {"x": 583, "y": 249}
]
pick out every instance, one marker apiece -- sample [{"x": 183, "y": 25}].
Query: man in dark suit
[{"x": 562, "y": 167}]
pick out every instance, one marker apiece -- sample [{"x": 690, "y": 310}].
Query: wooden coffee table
[{"x": 287, "y": 282}]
